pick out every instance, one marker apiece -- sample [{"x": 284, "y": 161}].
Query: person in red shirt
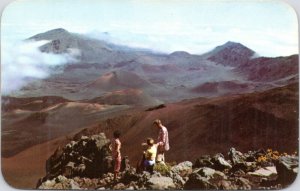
[
  {"x": 162, "y": 141},
  {"x": 116, "y": 152}
]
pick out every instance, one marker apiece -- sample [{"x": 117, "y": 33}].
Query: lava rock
[
  {"x": 183, "y": 169},
  {"x": 287, "y": 168},
  {"x": 264, "y": 172},
  {"x": 197, "y": 182},
  {"x": 220, "y": 163},
  {"x": 236, "y": 157},
  {"x": 160, "y": 183},
  {"x": 203, "y": 161}
]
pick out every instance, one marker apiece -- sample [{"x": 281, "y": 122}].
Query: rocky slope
[
  {"x": 41, "y": 119},
  {"x": 231, "y": 54},
  {"x": 86, "y": 163},
  {"x": 271, "y": 69},
  {"x": 249, "y": 121}
]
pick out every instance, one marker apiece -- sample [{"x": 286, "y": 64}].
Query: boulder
[
  {"x": 178, "y": 180},
  {"x": 88, "y": 157},
  {"x": 220, "y": 163},
  {"x": 210, "y": 173},
  {"x": 265, "y": 171},
  {"x": 287, "y": 168},
  {"x": 160, "y": 183},
  {"x": 217, "y": 162},
  {"x": 243, "y": 184},
  {"x": 226, "y": 185},
  {"x": 61, "y": 182},
  {"x": 119, "y": 186},
  {"x": 236, "y": 157},
  {"x": 203, "y": 161},
  {"x": 130, "y": 176},
  {"x": 243, "y": 166},
  {"x": 183, "y": 168},
  {"x": 205, "y": 178},
  {"x": 197, "y": 182}
]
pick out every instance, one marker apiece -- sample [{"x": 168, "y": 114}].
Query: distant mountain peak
[
  {"x": 180, "y": 53},
  {"x": 230, "y": 54},
  {"x": 58, "y": 30},
  {"x": 52, "y": 34},
  {"x": 231, "y": 45}
]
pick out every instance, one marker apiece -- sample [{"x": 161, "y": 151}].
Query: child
[
  {"x": 116, "y": 151},
  {"x": 140, "y": 165},
  {"x": 150, "y": 155}
]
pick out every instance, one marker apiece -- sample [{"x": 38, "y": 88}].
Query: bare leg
[{"x": 116, "y": 175}]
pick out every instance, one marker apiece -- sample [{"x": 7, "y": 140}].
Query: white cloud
[
  {"x": 203, "y": 39},
  {"x": 162, "y": 26},
  {"x": 23, "y": 61}
]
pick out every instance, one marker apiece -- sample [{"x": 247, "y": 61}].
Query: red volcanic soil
[
  {"x": 148, "y": 68},
  {"x": 24, "y": 128},
  {"x": 258, "y": 120},
  {"x": 199, "y": 126},
  {"x": 118, "y": 79},
  {"x": 31, "y": 103},
  {"x": 270, "y": 69},
  {"x": 221, "y": 87},
  {"x": 80, "y": 66},
  {"x": 24, "y": 169},
  {"x": 230, "y": 54},
  {"x": 126, "y": 97}
]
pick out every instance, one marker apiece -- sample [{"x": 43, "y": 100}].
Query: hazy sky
[{"x": 268, "y": 27}]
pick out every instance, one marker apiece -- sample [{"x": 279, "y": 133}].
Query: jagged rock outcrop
[
  {"x": 87, "y": 157},
  {"x": 87, "y": 164}
]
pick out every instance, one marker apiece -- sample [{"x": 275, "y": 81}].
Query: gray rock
[
  {"x": 183, "y": 169},
  {"x": 197, "y": 182},
  {"x": 130, "y": 188},
  {"x": 130, "y": 176},
  {"x": 205, "y": 178},
  {"x": 119, "y": 186},
  {"x": 209, "y": 173},
  {"x": 220, "y": 163},
  {"x": 243, "y": 184},
  {"x": 287, "y": 168},
  {"x": 74, "y": 185},
  {"x": 178, "y": 180},
  {"x": 60, "y": 182},
  {"x": 264, "y": 172},
  {"x": 226, "y": 185},
  {"x": 203, "y": 161},
  {"x": 235, "y": 156},
  {"x": 160, "y": 183}
]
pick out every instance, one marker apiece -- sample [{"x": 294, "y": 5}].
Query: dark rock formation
[
  {"x": 87, "y": 164},
  {"x": 287, "y": 168},
  {"x": 87, "y": 157}
]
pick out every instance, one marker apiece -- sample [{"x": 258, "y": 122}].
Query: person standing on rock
[
  {"x": 162, "y": 141},
  {"x": 116, "y": 151}
]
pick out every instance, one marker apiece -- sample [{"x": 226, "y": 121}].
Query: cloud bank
[
  {"x": 204, "y": 39},
  {"x": 23, "y": 62}
]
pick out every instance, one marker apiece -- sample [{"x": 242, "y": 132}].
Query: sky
[{"x": 268, "y": 27}]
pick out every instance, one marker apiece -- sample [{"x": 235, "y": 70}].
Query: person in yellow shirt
[{"x": 150, "y": 155}]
